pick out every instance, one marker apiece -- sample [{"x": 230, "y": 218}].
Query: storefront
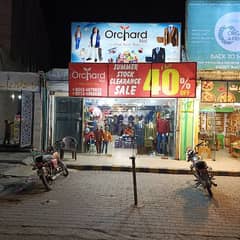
[
  {"x": 220, "y": 112},
  {"x": 160, "y": 120},
  {"x": 148, "y": 125},
  {"x": 10, "y": 117},
  {"x": 212, "y": 40},
  {"x": 129, "y": 82},
  {"x": 17, "y": 130}
]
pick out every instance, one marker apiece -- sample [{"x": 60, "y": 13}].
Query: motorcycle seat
[{"x": 201, "y": 165}]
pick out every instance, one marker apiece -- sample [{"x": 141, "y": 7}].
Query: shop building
[
  {"x": 212, "y": 40},
  {"x": 20, "y": 106},
  {"x": 220, "y": 110},
  {"x": 156, "y": 122},
  {"x": 122, "y": 83}
]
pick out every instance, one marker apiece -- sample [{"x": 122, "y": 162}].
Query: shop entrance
[
  {"x": 220, "y": 128},
  {"x": 16, "y": 121},
  {"x": 146, "y": 126}
]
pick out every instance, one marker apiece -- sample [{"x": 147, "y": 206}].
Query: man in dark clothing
[{"x": 7, "y": 134}]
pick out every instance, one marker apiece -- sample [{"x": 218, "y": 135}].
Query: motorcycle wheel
[
  {"x": 209, "y": 190},
  {"x": 45, "y": 182},
  {"x": 64, "y": 169},
  {"x": 208, "y": 185},
  {"x": 206, "y": 182}
]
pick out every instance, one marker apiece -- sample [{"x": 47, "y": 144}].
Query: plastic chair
[{"x": 69, "y": 144}]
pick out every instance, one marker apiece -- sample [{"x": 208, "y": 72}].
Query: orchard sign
[{"x": 137, "y": 80}]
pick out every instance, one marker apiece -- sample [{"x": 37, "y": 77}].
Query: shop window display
[{"x": 133, "y": 126}]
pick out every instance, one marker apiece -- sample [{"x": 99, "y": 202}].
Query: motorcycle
[
  {"x": 202, "y": 172},
  {"x": 49, "y": 167}
]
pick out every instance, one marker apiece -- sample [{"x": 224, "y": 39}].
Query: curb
[{"x": 146, "y": 170}]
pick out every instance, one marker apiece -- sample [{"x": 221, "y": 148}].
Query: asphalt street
[{"x": 100, "y": 205}]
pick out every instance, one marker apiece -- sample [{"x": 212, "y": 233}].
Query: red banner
[
  {"x": 88, "y": 80},
  {"x": 127, "y": 80},
  {"x": 161, "y": 80},
  {"x": 175, "y": 80}
]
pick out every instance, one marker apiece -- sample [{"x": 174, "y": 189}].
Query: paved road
[{"x": 100, "y": 205}]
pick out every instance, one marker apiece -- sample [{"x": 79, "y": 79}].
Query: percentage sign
[{"x": 185, "y": 84}]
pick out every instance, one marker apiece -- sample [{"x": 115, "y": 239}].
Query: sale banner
[
  {"x": 174, "y": 80},
  {"x": 127, "y": 80},
  {"x": 88, "y": 80}
]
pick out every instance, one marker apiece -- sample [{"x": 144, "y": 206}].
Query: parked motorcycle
[
  {"x": 49, "y": 167},
  {"x": 201, "y": 171}
]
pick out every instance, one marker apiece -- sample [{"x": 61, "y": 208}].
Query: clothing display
[
  {"x": 88, "y": 139},
  {"x": 171, "y": 35},
  {"x": 136, "y": 128},
  {"x": 163, "y": 129},
  {"x": 107, "y": 137},
  {"x": 98, "y": 137},
  {"x": 158, "y": 55}
]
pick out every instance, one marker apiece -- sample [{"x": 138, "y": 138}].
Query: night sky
[{"x": 60, "y": 14}]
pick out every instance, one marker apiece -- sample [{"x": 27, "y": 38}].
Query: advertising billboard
[
  {"x": 141, "y": 80},
  {"x": 125, "y": 42},
  {"x": 213, "y": 33}
]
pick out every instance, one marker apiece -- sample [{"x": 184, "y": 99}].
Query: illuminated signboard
[
  {"x": 125, "y": 42},
  {"x": 213, "y": 33},
  {"x": 169, "y": 80}
]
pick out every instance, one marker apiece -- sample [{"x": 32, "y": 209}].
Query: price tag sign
[{"x": 173, "y": 80}]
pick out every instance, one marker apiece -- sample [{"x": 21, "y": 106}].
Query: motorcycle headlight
[{"x": 195, "y": 158}]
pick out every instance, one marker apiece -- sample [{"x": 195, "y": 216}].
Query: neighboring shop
[
  {"x": 212, "y": 40},
  {"x": 17, "y": 110},
  {"x": 220, "y": 114}
]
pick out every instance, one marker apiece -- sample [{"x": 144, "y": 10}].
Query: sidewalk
[
  {"x": 224, "y": 165},
  {"x": 16, "y": 170}
]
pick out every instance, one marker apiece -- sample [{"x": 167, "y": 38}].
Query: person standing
[
  {"x": 107, "y": 137},
  {"x": 78, "y": 36},
  {"x": 7, "y": 134},
  {"x": 94, "y": 45}
]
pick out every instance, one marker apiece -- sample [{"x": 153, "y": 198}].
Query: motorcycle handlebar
[{"x": 199, "y": 144}]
